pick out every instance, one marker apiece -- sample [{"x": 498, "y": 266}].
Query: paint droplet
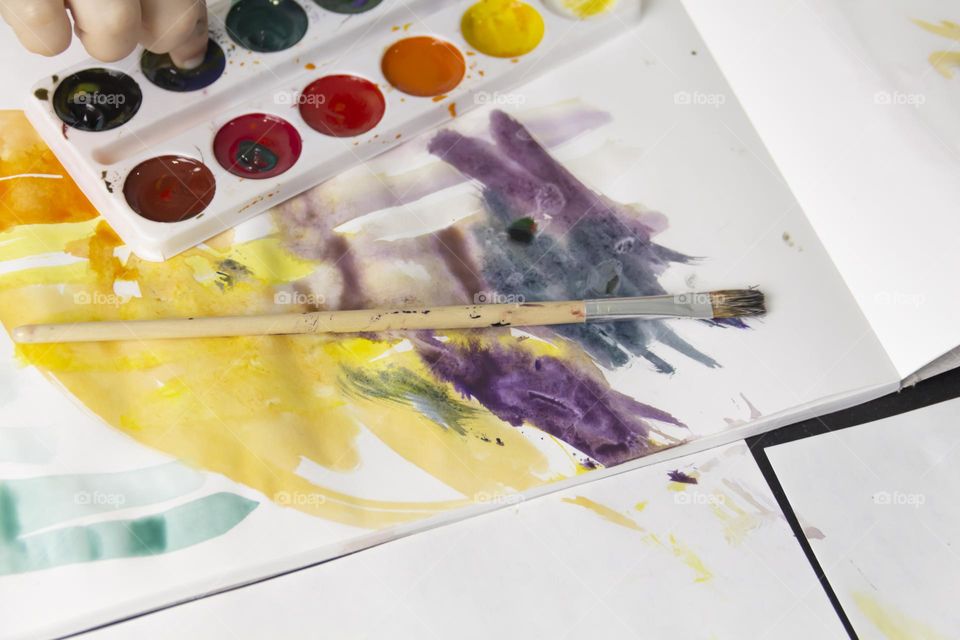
[
  {"x": 502, "y": 28},
  {"x": 522, "y": 230}
]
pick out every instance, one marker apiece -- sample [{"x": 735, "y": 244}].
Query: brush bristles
[{"x": 737, "y": 303}]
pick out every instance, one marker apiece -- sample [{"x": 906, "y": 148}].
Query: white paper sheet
[
  {"x": 879, "y": 184},
  {"x": 690, "y": 153},
  {"x": 883, "y": 497},
  {"x": 631, "y": 556}
]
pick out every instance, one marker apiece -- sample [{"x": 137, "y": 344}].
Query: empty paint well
[
  {"x": 257, "y": 145},
  {"x": 342, "y": 105},
  {"x": 266, "y": 25},
  {"x": 160, "y": 70},
  {"x": 169, "y": 188},
  {"x": 423, "y": 66},
  {"x": 97, "y": 99}
]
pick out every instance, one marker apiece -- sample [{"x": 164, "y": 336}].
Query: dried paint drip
[
  {"x": 581, "y": 9},
  {"x": 348, "y": 6},
  {"x": 342, "y": 105},
  {"x": 423, "y": 66},
  {"x": 266, "y": 25},
  {"x": 257, "y": 145},
  {"x": 502, "y": 28},
  {"x": 169, "y": 188},
  {"x": 97, "y": 99},
  {"x": 160, "y": 70}
]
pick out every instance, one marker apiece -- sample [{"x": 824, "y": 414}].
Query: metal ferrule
[{"x": 686, "y": 305}]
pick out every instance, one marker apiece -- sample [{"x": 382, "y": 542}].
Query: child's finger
[
  {"x": 177, "y": 27},
  {"x": 192, "y": 52},
  {"x": 41, "y": 26},
  {"x": 109, "y": 29}
]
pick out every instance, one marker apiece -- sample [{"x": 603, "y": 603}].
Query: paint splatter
[{"x": 680, "y": 476}]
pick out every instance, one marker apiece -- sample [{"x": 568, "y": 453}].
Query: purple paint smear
[
  {"x": 591, "y": 246},
  {"x": 548, "y": 393},
  {"x": 680, "y": 476}
]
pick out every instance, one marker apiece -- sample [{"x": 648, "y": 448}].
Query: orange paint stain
[{"x": 32, "y": 200}]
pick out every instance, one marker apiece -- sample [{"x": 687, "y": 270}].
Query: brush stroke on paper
[
  {"x": 945, "y": 62},
  {"x": 485, "y": 413},
  {"x": 33, "y": 513}
]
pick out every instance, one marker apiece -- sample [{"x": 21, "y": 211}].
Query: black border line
[{"x": 928, "y": 392}]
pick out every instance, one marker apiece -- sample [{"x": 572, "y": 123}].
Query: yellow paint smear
[
  {"x": 605, "y": 512},
  {"x": 251, "y": 408},
  {"x": 943, "y": 61},
  {"x": 691, "y": 559},
  {"x": 893, "y": 624},
  {"x": 583, "y": 9}
]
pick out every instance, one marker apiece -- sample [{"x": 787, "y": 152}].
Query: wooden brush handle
[{"x": 455, "y": 317}]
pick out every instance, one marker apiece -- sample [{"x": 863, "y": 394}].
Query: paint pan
[{"x": 291, "y": 93}]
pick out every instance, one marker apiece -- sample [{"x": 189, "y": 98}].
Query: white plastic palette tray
[{"x": 185, "y": 124}]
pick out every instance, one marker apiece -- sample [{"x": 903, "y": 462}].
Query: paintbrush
[{"x": 732, "y": 303}]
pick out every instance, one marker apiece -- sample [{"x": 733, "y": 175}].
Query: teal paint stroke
[
  {"x": 177, "y": 528},
  {"x": 35, "y": 512},
  {"x": 37, "y": 503}
]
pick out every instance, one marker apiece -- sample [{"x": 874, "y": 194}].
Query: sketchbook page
[
  {"x": 876, "y": 179},
  {"x": 256, "y": 456},
  {"x": 883, "y": 499},
  {"x": 628, "y": 556}
]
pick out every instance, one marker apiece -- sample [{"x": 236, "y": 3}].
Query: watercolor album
[{"x": 157, "y": 471}]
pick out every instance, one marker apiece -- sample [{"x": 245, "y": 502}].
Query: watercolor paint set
[{"x": 291, "y": 94}]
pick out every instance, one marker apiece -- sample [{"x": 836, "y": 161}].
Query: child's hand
[{"x": 111, "y": 29}]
